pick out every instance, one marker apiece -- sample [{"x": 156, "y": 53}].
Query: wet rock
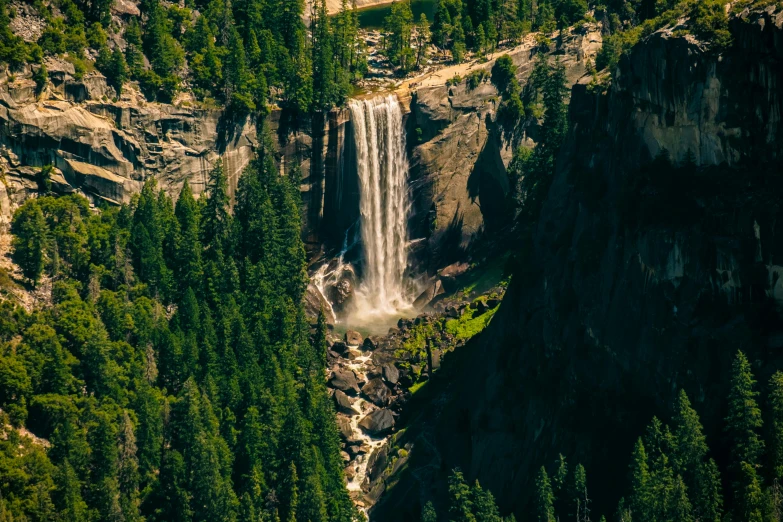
[
  {"x": 344, "y": 380},
  {"x": 493, "y": 303},
  {"x": 377, "y": 463},
  {"x": 344, "y": 425},
  {"x": 343, "y": 403},
  {"x": 404, "y": 324},
  {"x": 314, "y": 302},
  {"x": 377, "y": 392},
  {"x": 341, "y": 293},
  {"x": 360, "y": 449},
  {"x": 370, "y": 343},
  {"x": 450, "y": 274},
  {"x": 339, "y": 347},
  {"x": 481, "y": 308},
  {"x": 390, "y": 373},
  {"x": 353, "y": 338},
  {"x": 426, "y": 297},
  {"x": 378, "y": 423}
]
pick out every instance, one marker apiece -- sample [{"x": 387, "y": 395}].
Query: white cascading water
[{"x": 382, "y": 167}]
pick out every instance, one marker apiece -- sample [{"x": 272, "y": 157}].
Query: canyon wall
[
  {"x": 459, "y": 153},
  {"x": 640, "y": 279}
]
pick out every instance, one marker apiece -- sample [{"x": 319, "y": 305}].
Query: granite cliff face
[
  {"x": 107, "y": 148},
  {"x": 640, "y": 279},
  {"x": 459, "y": 154}
]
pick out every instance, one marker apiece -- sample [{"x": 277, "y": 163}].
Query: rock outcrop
[{"x": 637, "y": 282}]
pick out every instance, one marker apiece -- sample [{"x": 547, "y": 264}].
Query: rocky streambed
[
  {"x": 371, "y": 378},
  {"x": 365, "y": 382}
]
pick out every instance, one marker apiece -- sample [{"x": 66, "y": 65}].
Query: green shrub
[{"x": 711, "y": 23}]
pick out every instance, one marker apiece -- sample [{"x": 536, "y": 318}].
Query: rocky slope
[{"x": 639, "y": 280}]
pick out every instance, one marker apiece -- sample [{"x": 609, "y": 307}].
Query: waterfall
[{"x": 382, "y": 168}]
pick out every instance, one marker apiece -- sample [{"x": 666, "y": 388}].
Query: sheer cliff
[{"x": 655, "y": 257}]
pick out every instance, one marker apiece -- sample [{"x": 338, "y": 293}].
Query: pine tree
[
  {"x": 29, "y": 242},
  {"x": 238, "y": 79},
  {"x": 428, "y": 513},
  {"x": 776, "y": 414},
  {"x": 423, "y": 36},
  {"x": 750, "y": 497},
  {"x": 545, "y": 499},
  {"x": 709, "y": 496},
  {"x": 188, "y": 270},
  {"x": 398, "y": 27},
  {"x": 689, "y": 460},
  {"x": 640, "y": 503},
  {"x": 324, "y": 88},
  {"x": 580, "y": 502},
  {"x": 461, "y": 507},
  {"x": 743, "y": 421},
  {"x": 68, "y": 497},
  {"x": 215, "y": 220},
  {"x": 680, "y": 510},
  {"x": 174, "y": 499},
  {"x": 484, "y": 507},
  {"x": 128, "y": 472}
]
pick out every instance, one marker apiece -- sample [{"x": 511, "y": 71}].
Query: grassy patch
[
  {"x": 418, "y": 386},
  {"x": 418, "y": 337},
  {"x": 467, "y": 326}
]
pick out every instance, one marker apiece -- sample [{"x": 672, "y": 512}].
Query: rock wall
[
  {"x": 620, "y": 303},
  {"x": 106, "y": 148},
  {"x": 459, "y": 154}
]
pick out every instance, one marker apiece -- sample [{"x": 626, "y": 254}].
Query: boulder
[
  {"x": 350, "y": 473},
  {"x": 378, "y": 423},
  {"x": 453, "y": 271},
  {"x": 390, "y": 373},
  {"x": 370, "y": 343},
  {"x": 344, "y": 380},
  {"x": 433, "y": 290},
  {"x": 344, "y": 425},
  {"x": 345, "y": 456},
  {"x": 377, "y": 462},
  {"x": 353, "y": 338},
  {"x": 339, "y": 347},
  {"x": 493, "y": 303},
  {"x": 356, "y": 450},
  {"x": 341, "y": 293},
  {"x": 436, "y": 355},
  {"x": 343, "y": 403},
  {"x": 377, "y": 392}
]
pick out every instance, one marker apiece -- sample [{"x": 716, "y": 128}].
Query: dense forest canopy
[{"x": 173, "y": 375}]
